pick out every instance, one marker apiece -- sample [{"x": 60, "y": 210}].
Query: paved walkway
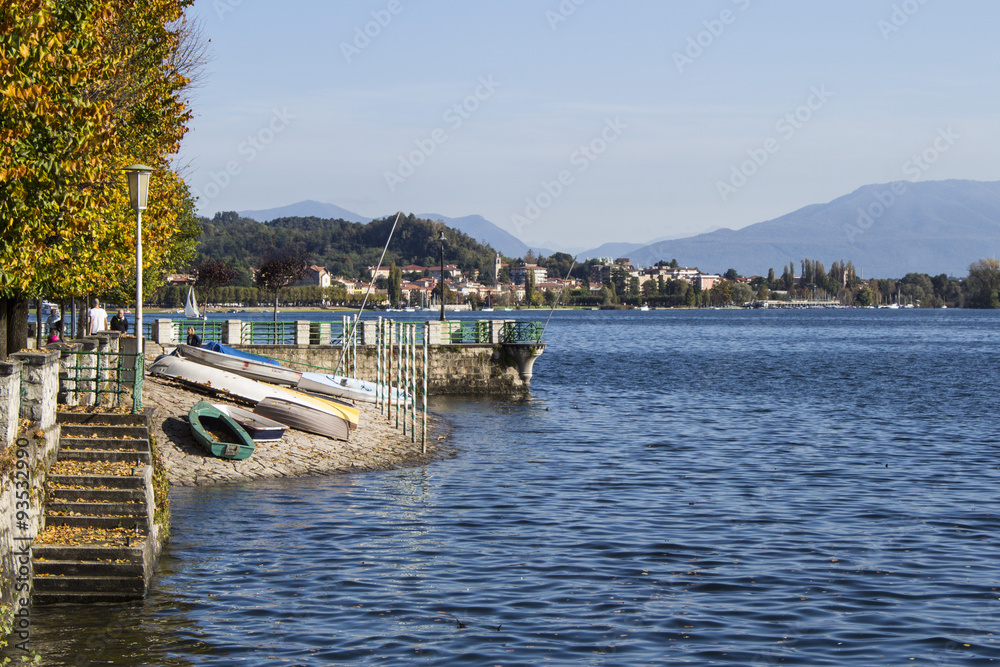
[{"x": 374, "y": 445}]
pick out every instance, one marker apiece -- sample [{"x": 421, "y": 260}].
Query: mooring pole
[
  {"x": 405, "y": 342},
  {"x": 413, "y": 383},
  {"x": 399, "y": 369},
  {"x": 392, "y": 367},
  {"x": 423, "y": 436},
  {"x": 378, "y": 362}
]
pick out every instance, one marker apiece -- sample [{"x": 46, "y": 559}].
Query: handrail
[
  {"x": 521, "y": 332},
  {"x": 109, "y": 377}
]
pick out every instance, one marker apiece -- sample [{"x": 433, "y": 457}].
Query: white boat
[
  {"x": 191, "y": 305},
  {"x": 643, "y": 307},
  {"x": 224, "y": 382},
  {"x": 241, "y": 365},
  {"x": 304, "y": 417},
  {"x": 180, "y": 368},
  {"x": 260, "y": 428},
  {"x": 345, "y": 387}
]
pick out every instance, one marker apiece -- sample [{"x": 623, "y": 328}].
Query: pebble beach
[{"x": 375, "y": 445}]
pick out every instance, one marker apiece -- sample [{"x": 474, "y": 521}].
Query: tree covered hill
[{"x": 342, "y": 247}]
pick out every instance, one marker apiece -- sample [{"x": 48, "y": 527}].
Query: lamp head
[{"x": 138, "y": 184}]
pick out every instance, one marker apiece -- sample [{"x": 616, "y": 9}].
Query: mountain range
[{"x": 887, "y": 230}]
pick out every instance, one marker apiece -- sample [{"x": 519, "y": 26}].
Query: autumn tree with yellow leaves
[{"x": 87, "y": 87}]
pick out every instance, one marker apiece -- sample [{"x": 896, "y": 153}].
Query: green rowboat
[{"x": 219, "y": 433}]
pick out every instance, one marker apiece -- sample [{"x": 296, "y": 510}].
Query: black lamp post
[{"x": 442, "y": 240}]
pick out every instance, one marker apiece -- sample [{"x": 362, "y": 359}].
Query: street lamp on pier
[{"x": 138, "y": 189}]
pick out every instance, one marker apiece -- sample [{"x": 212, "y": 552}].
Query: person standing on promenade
[
  {"x": 194, "y": 340},
  {"x": 55, "y": 332},
  {"x": 119, "y": 322},
  {"x": 98, "y": 318},
  {"x": 53, "y": 317}
]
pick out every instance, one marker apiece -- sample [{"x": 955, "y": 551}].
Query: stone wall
[
  {"x": 486, "y": 366},
  {"x": 10, "y": 400},
  {"x": 39, "y": 386},
  {"x": 25, "y": 457},
  {"x": 452, "y": 369}
]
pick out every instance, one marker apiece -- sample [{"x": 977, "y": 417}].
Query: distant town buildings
[
  {"x": 519, "y": 274},
  {"x": 421, "y": 286},
  {"x": 316, "y": 276}
]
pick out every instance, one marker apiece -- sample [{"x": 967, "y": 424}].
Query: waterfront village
[
  {"x": 604, "y": 283},
  {"x": 513, "y": 284}
]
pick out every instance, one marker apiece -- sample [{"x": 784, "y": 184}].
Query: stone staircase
[{"x": 99, "y": 543}]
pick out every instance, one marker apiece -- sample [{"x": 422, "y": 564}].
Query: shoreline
[{"x": 374, "y": 446}]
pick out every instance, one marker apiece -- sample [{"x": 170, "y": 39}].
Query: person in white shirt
[{"x": 98, "y": 318}]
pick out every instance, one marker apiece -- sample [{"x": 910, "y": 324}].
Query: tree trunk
[
  {"x": 275, "y": 317},
  {"x": 13, "y": 326},
  {"x": 3, "y": 329},
  {"x": 38, "y": 324}
]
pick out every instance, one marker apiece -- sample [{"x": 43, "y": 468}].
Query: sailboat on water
[{"x": 191, "y": 306}]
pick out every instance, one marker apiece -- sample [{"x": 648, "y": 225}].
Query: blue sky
[{"x": 576, "y": 122}]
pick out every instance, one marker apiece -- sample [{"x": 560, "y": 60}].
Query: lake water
[{"x": 704, "y": 487}]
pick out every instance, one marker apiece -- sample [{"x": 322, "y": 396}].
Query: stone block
[
  {"x": 232, "y": 332},
  {"x": 39, "y": 386},
  {"x": 10, "y": 399},
  {"x": 368, "y": 333},
  {"x": 162, "y": 332},
  {"x": 301, "y": 332}
]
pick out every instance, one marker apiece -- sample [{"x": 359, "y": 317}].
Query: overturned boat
[
  {"x": 350, "y": 388},
  {"x": 248, "y": 365},
  {"x": 226, "y": 383}
]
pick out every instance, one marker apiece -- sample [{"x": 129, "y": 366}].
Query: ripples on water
[{"x": 754, "y": 488}]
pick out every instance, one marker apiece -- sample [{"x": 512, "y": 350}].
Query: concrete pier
[{"x": 464, "y": 357}]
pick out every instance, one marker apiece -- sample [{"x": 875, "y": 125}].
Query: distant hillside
[
  {"x": 475, "y": 226},
  {"x": 612, "y": 250},
  {"x": 342, "y": 247},
  {"x": 932, "y": 227},
  {"x": 486, "y": 232},
  {"x": 305, "y": 209}
]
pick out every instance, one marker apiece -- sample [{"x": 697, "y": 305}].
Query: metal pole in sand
[
  {"x": 406, "y": 374},
  {"x": 378, "y": 363},
  {"x": 413, "y": 384},
  {"x": 399, "y": 369},
  {"x": 423, "y": 437}
]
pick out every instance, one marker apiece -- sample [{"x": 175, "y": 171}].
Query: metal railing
[
  {"x": 453, "y": 332},
  {"x": 267, "y": 333},
  {"x": 521, "y": 332},
  {"x": 466, "y": 332},
  {"x": 91, "y": 377},
  {"x": 206, "y": 329}
]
